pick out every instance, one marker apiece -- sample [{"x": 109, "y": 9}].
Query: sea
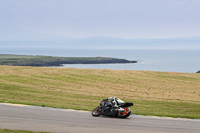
[{"x": 165, "y": 60}]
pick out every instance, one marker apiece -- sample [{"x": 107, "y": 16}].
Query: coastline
[{"x": 29, "y": 60}]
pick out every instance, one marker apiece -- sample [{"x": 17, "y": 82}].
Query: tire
[
  {"x": 97, "y": 111},
  {"x": 124, "y": 114}
]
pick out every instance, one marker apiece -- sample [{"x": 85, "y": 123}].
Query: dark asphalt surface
[{"x": 35, "y": 118}]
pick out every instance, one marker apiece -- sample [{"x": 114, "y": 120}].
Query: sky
[{"x": 110, "y": 18}]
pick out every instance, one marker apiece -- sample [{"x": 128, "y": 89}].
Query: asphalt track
[{"x": 35, "y": 118}]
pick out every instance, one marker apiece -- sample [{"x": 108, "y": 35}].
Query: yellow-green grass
[
  {"x": 18, "y": 131},
  {"x": 153, "y": 93}
]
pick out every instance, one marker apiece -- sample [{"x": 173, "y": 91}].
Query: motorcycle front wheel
[
  {"x": 124, "y": 114},
  {"x": 97, "y": 111}
]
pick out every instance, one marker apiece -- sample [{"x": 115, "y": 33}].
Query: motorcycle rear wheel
[
  {"x": 124, "y": 114},
  {"x": 97, "y": 111}
]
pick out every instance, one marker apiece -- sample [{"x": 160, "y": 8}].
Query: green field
[
  {"x": 18, "y": 131},
  {"x": 153, "y": 93}
]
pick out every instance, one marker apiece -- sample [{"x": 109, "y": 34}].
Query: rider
[{"x": 113, "y": 101}]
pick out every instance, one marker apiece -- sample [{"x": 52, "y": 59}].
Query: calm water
[{"x": 154, "y": 60}]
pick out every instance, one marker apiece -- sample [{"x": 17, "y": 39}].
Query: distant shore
[{"x": 28, "y": 60}]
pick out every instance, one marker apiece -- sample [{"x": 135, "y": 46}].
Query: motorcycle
[{"x": 122, "y": 109}]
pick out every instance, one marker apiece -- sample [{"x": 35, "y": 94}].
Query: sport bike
[{"x": 122, "y": 109}]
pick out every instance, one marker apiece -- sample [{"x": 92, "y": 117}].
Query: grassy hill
[{"x": 153, "y": 93}]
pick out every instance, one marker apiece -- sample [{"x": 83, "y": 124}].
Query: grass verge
[
  {"x": 153, "y": 93},
  {"x": 18, "y": 131}
]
